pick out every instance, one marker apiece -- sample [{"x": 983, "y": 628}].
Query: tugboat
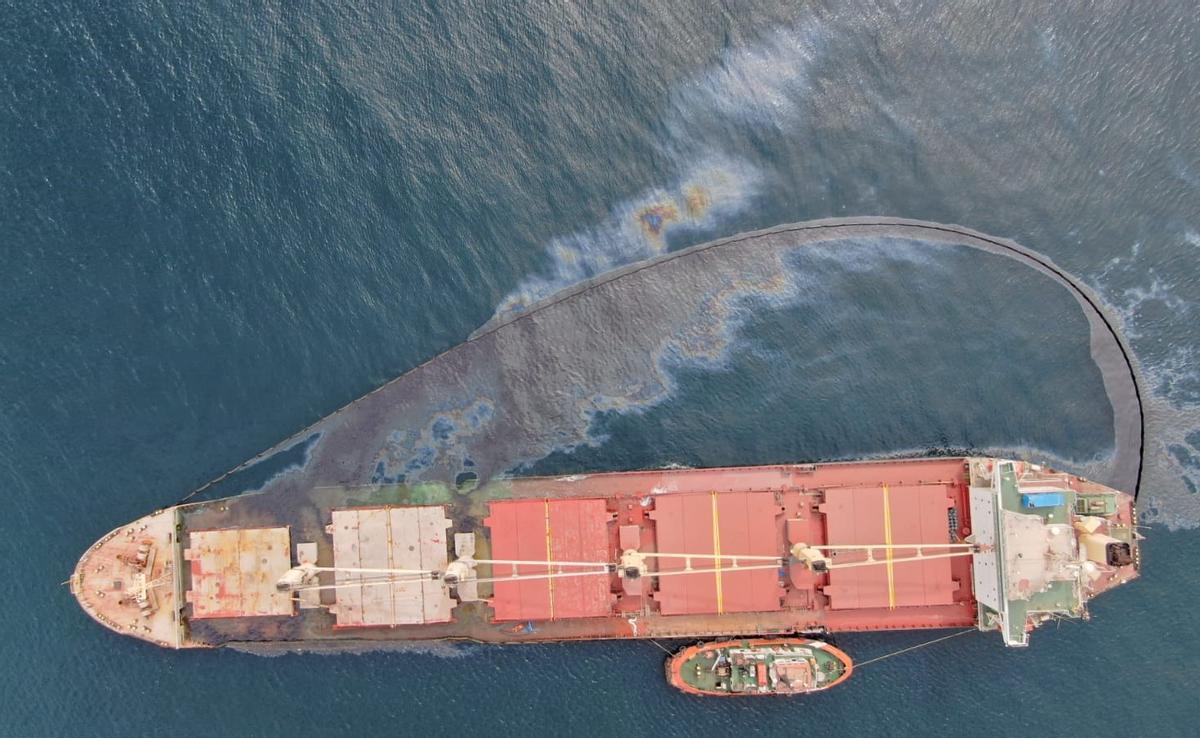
[{"x": 781, "y": 666}]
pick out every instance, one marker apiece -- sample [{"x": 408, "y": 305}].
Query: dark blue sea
[{"x": 220, "y": 222}]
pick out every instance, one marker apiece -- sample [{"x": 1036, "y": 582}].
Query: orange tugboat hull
[{"x": 766, "y": 664}]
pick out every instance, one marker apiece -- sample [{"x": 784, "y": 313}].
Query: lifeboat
[{"x": 778, "y": 666}]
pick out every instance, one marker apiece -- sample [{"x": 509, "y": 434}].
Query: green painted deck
[
  {"x": 1061, "y": 599},
  {"x": 742, "y": 669}
]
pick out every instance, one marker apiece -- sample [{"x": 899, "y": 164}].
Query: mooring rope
[
  {"x": 861, "y": 664},
  {"x": 661, "y": 647}
]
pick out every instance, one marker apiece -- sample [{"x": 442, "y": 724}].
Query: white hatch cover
[
  {"x": 390, "y": 538},
  {"x": 986, "y": 564}
]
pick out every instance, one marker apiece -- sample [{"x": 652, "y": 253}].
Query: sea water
[{"x": 219, "y": 223}]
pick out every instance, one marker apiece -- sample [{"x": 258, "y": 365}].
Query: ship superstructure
[{"x": 750, "y": 551}]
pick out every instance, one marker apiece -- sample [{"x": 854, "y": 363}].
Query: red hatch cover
[
  {"x": 549, "y": 530},
  {"x": 728, "y": 523},
  {"x": 903, "y": 514}
]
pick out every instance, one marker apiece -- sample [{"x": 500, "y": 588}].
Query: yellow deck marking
[
  {"x": 549, "y": 559},
  {"x": 887, "y": 539},
  {"x": 387, "y": 516},
  {"x": 237, "y": 547},
  {"x": 716, "y": 528}
]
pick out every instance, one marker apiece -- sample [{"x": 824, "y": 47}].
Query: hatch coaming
[{"x": 745, "y": 512}]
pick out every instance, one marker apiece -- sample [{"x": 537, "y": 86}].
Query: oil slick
[
  {"x": 692, "y": 205},
  {"x": 536, "y": 383},
  {"x": 756, "y": 87},
  {"x": 1142, "y": 300},
  {"x": 762, "y": 88},
  {"x": 407, "y": 453},
  {"x": 655, "y": 218},
  {"x": 706, "y": 197}
]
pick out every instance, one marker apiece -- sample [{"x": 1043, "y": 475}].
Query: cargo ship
[{"x": 720, "y": 553}]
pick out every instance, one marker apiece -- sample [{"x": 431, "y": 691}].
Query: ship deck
[
  {"x": 735, "y": 511},
  {"x": 138, "y": 598}
]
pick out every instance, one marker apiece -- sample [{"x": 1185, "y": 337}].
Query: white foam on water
[{"x": 1170, "y": 490}]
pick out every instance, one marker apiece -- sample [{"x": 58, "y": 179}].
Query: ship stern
[{"x": 1047, "y": 542}]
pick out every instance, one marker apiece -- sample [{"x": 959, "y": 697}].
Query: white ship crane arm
[{"x": 632, "y": 564}]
